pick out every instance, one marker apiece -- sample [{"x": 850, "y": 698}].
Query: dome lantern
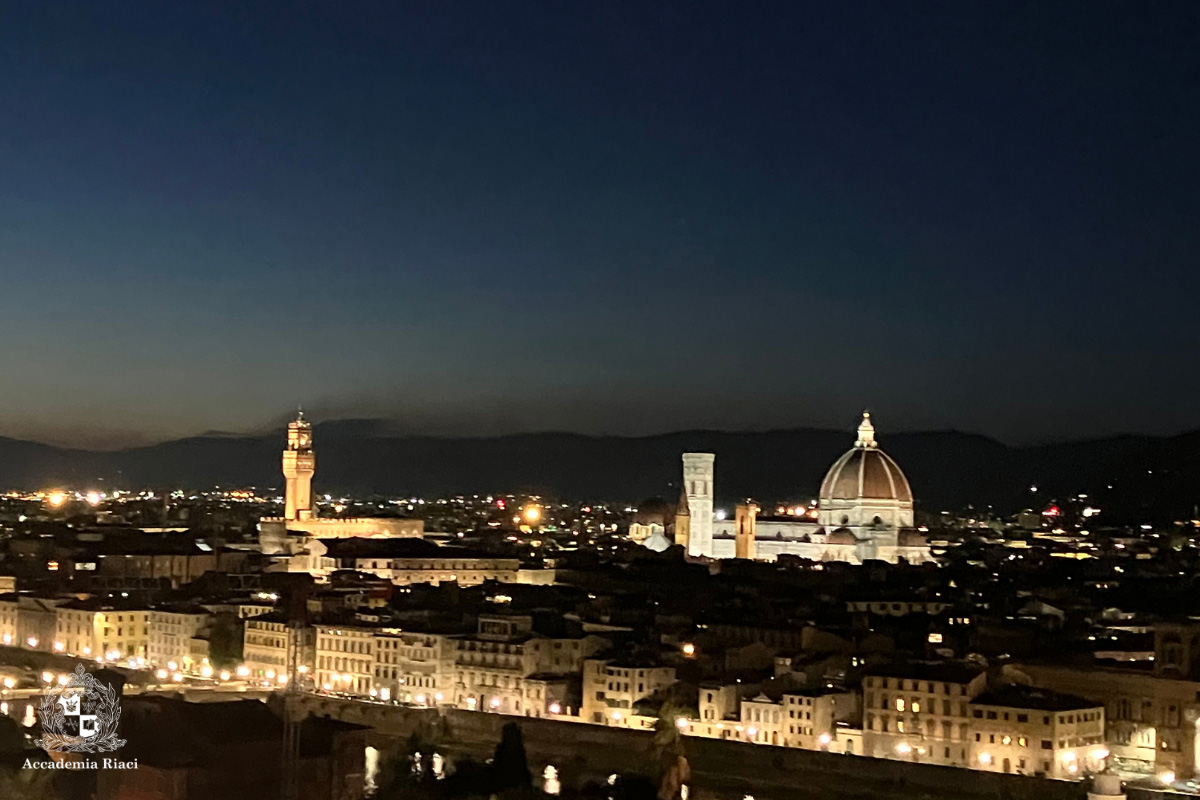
[{"x": 866, "y": 432}]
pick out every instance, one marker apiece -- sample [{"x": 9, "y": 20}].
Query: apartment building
[
  {"x": 1019, "y": 729},
  {"x": 919, "y": 711},
  {"x": 493, "y": 664},
  {"x": 178, "y": 561},
  {"x": 719, "y": 702},
  {"x": 345, "y": 658},
  {"x": 78, "y": 630},
  {"x": 811, "y": 717},
  {"x": 611, "y": 688},
  {"x": 177, "y": 635},
  {"x": 9, "y": 619},
  {"x": 408, "y": 561},
  {"x": 762, "y": 719},
  {"x": 265, "y": 644},
  {"x": 37, "y": 622},
  {"x": 94, "y": 628},
  {"x": 414, "y": 666}
]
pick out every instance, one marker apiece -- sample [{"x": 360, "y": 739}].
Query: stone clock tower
[{"x": 299, "y": 463}]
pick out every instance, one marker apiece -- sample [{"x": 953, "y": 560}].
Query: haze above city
[{"x": 612, "y": 218}]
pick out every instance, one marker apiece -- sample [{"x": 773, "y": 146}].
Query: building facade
[
  {"x": 414, "y": 667},
  {"x": 920, "y": 712},
  {"x": 611, "y": 689},
  {"x": 177, "y": 635},
  {"x": 8, "y": 619},
  {"x": 266, "y": 641},
  {"x": 89, "y": 628},
  {"x": 1150, "y": 719},
  {"x": 345, "y": 658},
  {"x": 466, "y": 570},
  {"x": 493, "y": 665},
  {"x": 1017, "y": 729}
]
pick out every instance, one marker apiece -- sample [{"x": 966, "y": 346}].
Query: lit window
[{"x": 899, "y": 703}]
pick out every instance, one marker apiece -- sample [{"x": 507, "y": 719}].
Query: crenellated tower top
[{"x": 300, "y": 434}]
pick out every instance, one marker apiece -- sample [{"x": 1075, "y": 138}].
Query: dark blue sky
[{"x": 624, "y": 217}]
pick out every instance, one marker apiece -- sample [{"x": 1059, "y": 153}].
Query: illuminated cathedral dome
[
  {"x": 866, "y": 472},
  {"x": 865, "y": 487}
]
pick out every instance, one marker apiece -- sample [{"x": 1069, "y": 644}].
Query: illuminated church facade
[{"x": 864, "y": 512}]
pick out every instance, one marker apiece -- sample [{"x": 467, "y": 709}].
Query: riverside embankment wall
[{"x": 720, "y": 768}]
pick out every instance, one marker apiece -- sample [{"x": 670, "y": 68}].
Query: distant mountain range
[{"x": 1150, "y": 477}]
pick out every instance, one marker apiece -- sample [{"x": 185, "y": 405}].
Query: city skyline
[
  {"x": 625, "y": 220},
  {"x": 633, "y": 400}
]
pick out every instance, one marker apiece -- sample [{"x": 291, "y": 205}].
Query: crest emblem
[{"x": 80, "y": 717}]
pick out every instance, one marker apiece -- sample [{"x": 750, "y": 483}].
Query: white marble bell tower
[{"x": 698, "y": 484}]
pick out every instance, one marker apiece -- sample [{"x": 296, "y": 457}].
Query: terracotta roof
[
  {"x": 865, "y": 473},
  {"x": 943, "y": 671},
  {"x": 1014, "y": 696},
  {"x": 359, "y": 547}
]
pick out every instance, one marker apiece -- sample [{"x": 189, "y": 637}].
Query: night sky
[{"x": 484, "y": 217}]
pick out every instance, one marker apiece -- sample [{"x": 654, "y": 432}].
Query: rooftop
[
  {"x": 1017, "y": 696},
  {"x": 396, "y": 548},
  {"x": 941, "y": 671}
]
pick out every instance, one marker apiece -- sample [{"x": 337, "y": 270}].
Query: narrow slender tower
[
  {"x": 698, "y": 483},
  {"x": 746, "y": 516},
  {"x": 299, "y": 463},
  {"x": 683, "y": 519}
]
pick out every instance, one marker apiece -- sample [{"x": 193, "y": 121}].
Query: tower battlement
[{"x": 299, "y": 464}]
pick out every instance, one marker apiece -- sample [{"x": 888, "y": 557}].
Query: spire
[
  {"x": 682, "y": 510},
  {"x": 299, "y": 413},
  {"x": 866, "y": 432}
]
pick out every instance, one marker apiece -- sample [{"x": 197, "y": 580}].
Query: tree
[
  {"x": 510, "y": 765},
  {"x": 28, "y": 784},
  {"x": 12, "y": 743},
  {"x": 225, "y": 642},
  {"x": 670, "y": 759},
  {"x": 469, "y": 779}
]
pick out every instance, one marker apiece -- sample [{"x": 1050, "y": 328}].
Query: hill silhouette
[{"x": 1151, "y": 478}]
